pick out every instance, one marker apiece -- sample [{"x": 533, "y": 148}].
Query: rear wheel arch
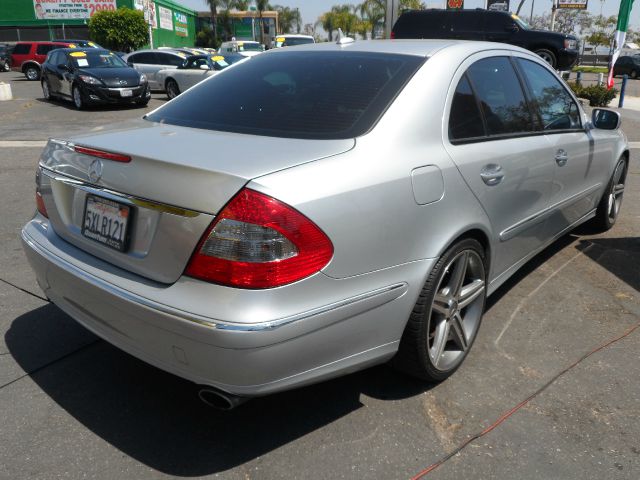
[{"x": 481, "y": 237}]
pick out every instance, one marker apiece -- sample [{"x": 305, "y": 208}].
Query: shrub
[
  {"x": 598, "y": 95},
  {"x": 122, "y": 29}
]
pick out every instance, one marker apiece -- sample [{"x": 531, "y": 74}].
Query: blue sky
[{"x": 312, "y": 9}]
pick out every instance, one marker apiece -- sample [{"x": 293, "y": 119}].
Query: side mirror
[
  {"x": 204, "y": 67},
  {"x": 63, "y": 66},
  {"x": 130, "y": 64},
  {"x": 605, "y": 119},
  {"x": 513, "y": 28}
]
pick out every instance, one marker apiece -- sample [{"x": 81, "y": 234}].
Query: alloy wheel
[
  {"x": 616, "y": 191},
  {"x": 45, "y": 90},
  {"x": 31, "y": 73},
  {"x": 456, "y": 310},
  {"x": 172, "y": 89},
  {"x": 77, "y": 98}
]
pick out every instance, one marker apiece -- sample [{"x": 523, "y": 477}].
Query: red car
[{"x": 28, "y": 56}]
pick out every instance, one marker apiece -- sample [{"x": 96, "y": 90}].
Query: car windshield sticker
[
  {"x": 280, "y": 39},
  {"x": 82, "y": 62},
  {"x": 217, "y": 58},
  {"x": 91, "y": 44},
  {"x": 180, "y": 54},
  {"x": 72, "y": 45},
  {"x": 78, "y": 54}
]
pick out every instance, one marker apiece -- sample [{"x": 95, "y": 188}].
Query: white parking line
[
  {"x": 22, "y": 143},
  {"x": 634, "y": 144}
]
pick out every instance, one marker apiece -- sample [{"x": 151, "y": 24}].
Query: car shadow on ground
[
  {"x": 157, "y": 418},
  {"x": 620, "y": 256}
]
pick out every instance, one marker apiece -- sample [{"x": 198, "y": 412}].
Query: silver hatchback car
[{"x": 321, "y": 209}]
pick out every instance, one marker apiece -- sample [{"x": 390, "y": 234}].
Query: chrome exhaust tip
[{"x": 220, "y": 400}]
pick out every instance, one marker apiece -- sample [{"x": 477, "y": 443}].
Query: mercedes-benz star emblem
[{"x": 95, "y": 170}]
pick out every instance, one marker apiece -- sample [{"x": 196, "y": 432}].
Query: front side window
[
  {"x": 504, "y": 107},
  {"x": 55, "y": 58},
  {"x": 557, "y": 108},
  {"x": 169, "y": 59},
  {"x": 44, "y": 49},
  {"x": 325, "y": 95},
  {"x": 465, "y": 120}
]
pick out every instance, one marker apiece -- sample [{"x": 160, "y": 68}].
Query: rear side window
[
  {"x": 557, "y": 108},
  {"x": 44, "y": 49},
  {"x": 465, "y": 120},
  {"x": 144, "y": 57},
  {"x": 464, "y": 21},
  {"x": 327, "y": 95},
  {"x": 22, "y": 49},
  {"x": 168, "y": 59},
  {"x": 502, "y": 100},
  {"x": 420, "y": 25},
  {"x": 56, "y": 58}
]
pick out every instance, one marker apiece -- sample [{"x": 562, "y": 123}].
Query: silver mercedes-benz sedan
[{"x": 321, "y": 209}]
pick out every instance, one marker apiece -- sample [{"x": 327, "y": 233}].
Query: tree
[
  {"x": 327, "y": 22},
  {"x": 373, "y": 12},
  {"x": 261, "y": 5},
  {"x": 287, "y": 17},
  {"x": 122, "y": 30},
  {"x": 213, "y": 7}
]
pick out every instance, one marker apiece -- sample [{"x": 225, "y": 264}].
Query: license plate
[
  {"x": 126, "y": 93},
  {"x": 106, "y": 222}
]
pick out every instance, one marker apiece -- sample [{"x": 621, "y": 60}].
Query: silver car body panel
[
  {"x": 151, "y": 69},
  {"x": 391, "y": 201}
]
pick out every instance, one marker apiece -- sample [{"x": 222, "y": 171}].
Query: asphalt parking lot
[{"x": 73, "y": 406}]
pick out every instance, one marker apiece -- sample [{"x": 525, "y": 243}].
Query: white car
[
  {"x": 247, "y": 48},
  {"x": 150, "y": 62},
  {"x": 290, "y": 40},
  {"x": 194, "y": 69}
]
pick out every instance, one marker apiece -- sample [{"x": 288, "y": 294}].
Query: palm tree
[
  {"x": 213, "y": 7},
  {"x": 373, "y": 11},
  {"x": 261, "y": 5},
  {"x": 328, "y": 23}
]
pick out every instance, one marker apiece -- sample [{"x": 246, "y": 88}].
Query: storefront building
[{"x": 172, "y": 24}]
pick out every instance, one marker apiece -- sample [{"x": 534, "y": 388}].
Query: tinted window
[
  {"x": 144, "y": 57},
  {"x": 168, "y": 59},
  {"x": 290, "y": 42},
  {"x": 22, "y": 49},
  {"x": 464, "y": 21},
  {"x": 295, "y": 95},
  {"x": 420, "y": 25},
  {"x": 44, "y": 49},
  {"x": 497, "y": 22},
  {"x": 196, "y": 62},
  {"x": 503, "y": 103},
  {"x": 465, "y": 120},
  {"x": 56, "y": 58},
  {"x": 556, "y": 106}
]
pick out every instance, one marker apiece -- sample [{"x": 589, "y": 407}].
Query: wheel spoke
[
  {"x": 440, "y": 304},
  {"x": 470, "y": 292},
  {"x": 457, "y": 331},
  {"x": 458, "y": 274},
  {"x": 618, "y": 189},
  {"x": 440, "y": 338}
]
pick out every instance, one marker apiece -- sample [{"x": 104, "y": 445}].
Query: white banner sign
[
  {"x": 166, "y": 18},
  {"x": 575, "y": 4},
  {"x": 70, "y": 9}
]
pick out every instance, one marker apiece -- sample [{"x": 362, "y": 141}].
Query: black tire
[
  {"x": 78, "y": 98},
  {"x": 32, "y": 73},
  {"x": 172, "y": 88},
  {"x": 611, "y": 201},
  {"x": 548, "y": 56},
  {"x": 143, "y": 103},
  {"x": 418, "y": 340}
]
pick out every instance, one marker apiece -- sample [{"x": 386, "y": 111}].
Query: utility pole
[
  {"x": 391, "y": 16},
  {"x": 554, "y": 8},
  {"x": 533, "y": 2}
]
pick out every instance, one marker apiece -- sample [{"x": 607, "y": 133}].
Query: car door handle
[
  {"x": 561, "y": 157},
  {"x": 491, "y": 174}
]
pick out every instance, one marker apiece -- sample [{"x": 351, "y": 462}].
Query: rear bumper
[{"x": 340, "y": 325}]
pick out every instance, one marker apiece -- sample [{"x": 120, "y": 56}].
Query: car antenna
[{"x": 343, "y": 39}]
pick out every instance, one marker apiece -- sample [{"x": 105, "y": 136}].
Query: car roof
[
  {"x": 421, "y": 48},
  {"x": 300, "y": 35}
]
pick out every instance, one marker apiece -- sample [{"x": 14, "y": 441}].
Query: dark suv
[{"x": 558, "y": 49}]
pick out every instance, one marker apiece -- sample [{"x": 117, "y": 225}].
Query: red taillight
[
  {"x": 393, "y": 34},
  {"x": 40, "y": 205},
  {"x": 116, "y": 157},
  {"x": 259, "y": 242}
]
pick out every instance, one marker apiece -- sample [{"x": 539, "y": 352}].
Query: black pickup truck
[{"x": 558, "y": 49}]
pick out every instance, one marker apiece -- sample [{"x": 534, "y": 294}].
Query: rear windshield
[
  {"x": 292, "y": 41},
  {"x": 249, "y": 47},
  {"x": 327, "y": 95}
]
